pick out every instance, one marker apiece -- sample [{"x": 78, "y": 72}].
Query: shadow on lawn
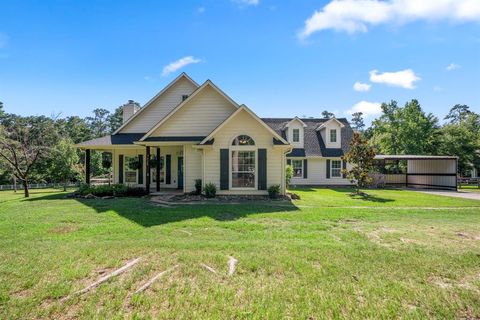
[
  {"x": 349, "y": 191},
  {"x": 145, "y": 213}
]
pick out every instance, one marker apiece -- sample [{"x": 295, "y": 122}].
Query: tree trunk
[
  {"x": 65, "y": 186},
  {"x": 25, "y": 188}
]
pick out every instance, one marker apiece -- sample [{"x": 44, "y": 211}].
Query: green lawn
[
  {"x": 328, "y": 255},
  {"x": 469, "y": 188}
]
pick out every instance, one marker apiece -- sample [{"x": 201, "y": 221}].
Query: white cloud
[
  {"x": 452, "y": 66},
  {"x": 247, "y": 2},
  {"x": 3, "y": 40},
  {"x": 367, "y": 108},
  {"x": 361, "y": 87},
  {"x": 176, "y": 65},
  {"x": 358, "y": 15},
  {"x": 405, "y": 78}
]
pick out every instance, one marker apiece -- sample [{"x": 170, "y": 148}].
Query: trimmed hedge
[{"x": 113, "y": 190}]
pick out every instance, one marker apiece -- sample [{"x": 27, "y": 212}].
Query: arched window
[{"x": 243, "y": 140}]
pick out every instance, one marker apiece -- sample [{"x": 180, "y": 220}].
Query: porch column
[
  {"x": 87, "y": 166},
  {"x": 147, "y": 174},
  {"x": 158, "y": 170}
]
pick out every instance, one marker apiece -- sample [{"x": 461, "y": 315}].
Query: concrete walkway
[{"x": 456, "y": 194}]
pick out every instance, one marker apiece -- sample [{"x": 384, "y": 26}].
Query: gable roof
[
  {"x": 325, "y": 124},
  {"x": 314, "y": 146},
  {"x": 251, "y": 113},
  {"x": 295, "y": 119},
  {"x": 183, "y": 75},
  {"x": 207, "y": 83}
]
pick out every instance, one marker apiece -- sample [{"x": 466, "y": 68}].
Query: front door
[{"x": 180, "y": 173}]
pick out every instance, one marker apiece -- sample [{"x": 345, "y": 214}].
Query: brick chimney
[{"x": 129, "y": 109}]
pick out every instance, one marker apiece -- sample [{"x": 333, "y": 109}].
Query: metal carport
[{"x": 428, "y": 172}]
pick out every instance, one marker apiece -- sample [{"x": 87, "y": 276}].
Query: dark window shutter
[
  {"x": 289, "y": 162},
  {"x": 168, "y": 173},
  {"x": 224, "y": 153},
  {"x": 305, "y": 167},
  {"x": 344, "y": 166},
  {"x": 140, "y": 169},
  {"x": 262, "y": 169},
  {"x": 328, "y": 168},
  {"x": 120, "y": 168}
]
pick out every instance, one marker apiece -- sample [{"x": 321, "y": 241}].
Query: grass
[
  {"x": 328, "y": 255},
  {"x": 469, "y": 188}
]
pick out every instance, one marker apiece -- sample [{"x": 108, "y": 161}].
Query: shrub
[
  {"x": 135, "y": 192},
  {"x": 198, "y": 186},
  {"x": 210, "y": 190},
  {"x": 274, "y": 191},
  {"x": 114, "y": 190},
  {"x": 288, "y": 175}
]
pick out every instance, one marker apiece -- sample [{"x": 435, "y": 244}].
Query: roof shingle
[{"x": 313, "y": 142}]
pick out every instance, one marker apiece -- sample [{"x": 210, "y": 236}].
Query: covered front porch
[{"x": 158, "y": 168}]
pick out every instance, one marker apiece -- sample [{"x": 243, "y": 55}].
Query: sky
[{"x": 282, "y": 58}]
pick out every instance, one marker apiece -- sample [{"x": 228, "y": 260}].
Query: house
[{"x": 199, "y": 132}]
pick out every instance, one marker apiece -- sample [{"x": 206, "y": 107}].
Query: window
[
  {"x": 243, "y": 140},
  {"x": 297, "y": 166},
  {"x": 184, "y": 97},
  {"x": 335, "y": 170},
  {"x": 243, "y": 169},
  {"x": 333, "y": 135},
  {"x": 296, "y": 135},
  {"x": 129, "y": 169}
]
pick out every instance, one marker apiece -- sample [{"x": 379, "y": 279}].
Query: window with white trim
[
  {"x": 333, "y": 135},
  {"x": 243, "y": 140},
  {"x": 129, "y": 172},
  {"x": 336, "y": 169},
  {"x": 297, "y": 166},
  {"x": 243, "y": 169},
  {"x": 296, "y": 135}
]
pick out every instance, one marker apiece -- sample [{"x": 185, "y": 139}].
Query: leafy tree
[
  {"x": 360, "y": 156},
  {"x": 327, "y": 114},
  {"x": 357, "y": 121},
  {"x": 115, "y": 120},
  {"x": 75, "y": 128},
  {"x": 65, "y": 159},
  {"x": 24, "y": 141},
  {"x": 2, "y": 112},
  {"x": 288, "y": 175},
  {"x": 462, "y": 139},
  {"x": 99, "y": 124},
  {"x": 407, "y": 130},
  {"x": 458, "y": 113}
]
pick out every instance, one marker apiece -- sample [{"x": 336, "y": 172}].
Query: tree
[
  {"x": 288, "y": 175},
  {"x": 357, "y": 121},
  {"x": 2, "y": 112},
  {"x": 407, "y": 130},
  {"x": 360, "y": 156},
  {"x": 458, "y": 113},
  {"x": 327, "y": 114},
  {"x": 65, "y": 159},
  {"x": 115, "y": 120},
  {"x": 23, "y": 142},
  {"x": 462, "y": 139},
  {"x": 99, "y": 124}
]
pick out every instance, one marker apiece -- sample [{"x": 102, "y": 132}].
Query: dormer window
[
  {"x": 296, "y": 135},
  {"x": 333, "y": 135}
]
